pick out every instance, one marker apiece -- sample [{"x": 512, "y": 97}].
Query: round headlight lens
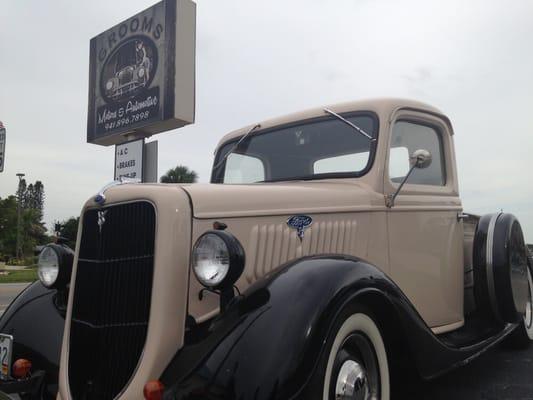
[
  {"x": 140, "y": 72},
  {"x": 48, "y": 266},
  {"x": 211, "y": 260},
  {"x": 109, "y": 84}
]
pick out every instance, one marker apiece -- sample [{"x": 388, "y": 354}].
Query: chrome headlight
[
  {"x": 217, "y": 259},
  {"x": 55, "y": 266},
  {"x": 140, "y": 72},
  {"x": 48, "y": 266}
]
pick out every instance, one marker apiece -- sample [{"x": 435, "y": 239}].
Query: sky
[{"x": 257, "y": 60}]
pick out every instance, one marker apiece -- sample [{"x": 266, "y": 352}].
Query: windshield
[{"x": 319, "y": 148}]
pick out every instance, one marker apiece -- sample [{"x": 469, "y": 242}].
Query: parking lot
[{"x": 500, "y": 374}]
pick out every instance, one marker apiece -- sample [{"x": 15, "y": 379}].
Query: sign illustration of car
[{"x": 132, "y": 70}]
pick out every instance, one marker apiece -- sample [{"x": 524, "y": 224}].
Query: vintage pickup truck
[{"x": 329, "y": 253}]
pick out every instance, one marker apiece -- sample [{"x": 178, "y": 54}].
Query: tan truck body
[{"x": 419, "y": 243}]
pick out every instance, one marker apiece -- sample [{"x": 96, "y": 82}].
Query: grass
[{"x": 24, "y": 275}]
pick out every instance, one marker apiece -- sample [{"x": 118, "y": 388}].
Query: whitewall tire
[
  {"x": 522, "y": 337},
  {"x": 528, "y": 316},
  {"x": 357, "y": 366}
]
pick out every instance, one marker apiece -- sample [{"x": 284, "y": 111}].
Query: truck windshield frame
[{"x": 304, "y": 143}]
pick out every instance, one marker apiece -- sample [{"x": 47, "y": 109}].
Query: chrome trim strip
[
  {"x": 109, "y": 325},
  {"x": 100, "y": 196},
  {"x": 489, "y": 262}
]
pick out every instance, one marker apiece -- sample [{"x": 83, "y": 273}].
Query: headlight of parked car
[
  {"x": 55, "y": 266},
  {"x": 140, "y": 72},
  {"x": 217, "y": 259},
  {"x": 109, "y": 84}
]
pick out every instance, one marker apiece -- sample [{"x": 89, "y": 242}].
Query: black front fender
[
  {"x": 265, "y": 346},
  {"x": 36, "y": 321}
]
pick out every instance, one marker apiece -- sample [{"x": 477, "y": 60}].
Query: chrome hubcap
[
  {"x": 357, "y": 371},
  {"x": 352, "y": 383}
]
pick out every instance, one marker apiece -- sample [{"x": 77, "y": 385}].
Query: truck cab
[{"x": 327, "y": 169}]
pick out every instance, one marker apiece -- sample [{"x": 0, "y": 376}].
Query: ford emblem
[{"x": 300, "y": 223}]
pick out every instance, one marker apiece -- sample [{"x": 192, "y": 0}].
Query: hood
[{"x": 223, "y": 200}]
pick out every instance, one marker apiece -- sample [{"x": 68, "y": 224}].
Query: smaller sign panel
[
  {"x": 2, "y": 147},
  {"x": 129, "y": 159}
]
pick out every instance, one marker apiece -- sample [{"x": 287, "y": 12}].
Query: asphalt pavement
[
  {"x": 499, "y": 374},
  {"x": 8, "y": 291}
]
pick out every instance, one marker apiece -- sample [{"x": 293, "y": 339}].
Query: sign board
[
  {"x": 142, "y": 74},
  {"x": 2, "y": 147},
  {"x": 129, "y": 158}
]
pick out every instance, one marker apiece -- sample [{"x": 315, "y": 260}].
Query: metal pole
[{"x": 19, "y": 225}]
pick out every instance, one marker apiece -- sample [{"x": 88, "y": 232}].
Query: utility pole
[{"x": 19, "y": 212}]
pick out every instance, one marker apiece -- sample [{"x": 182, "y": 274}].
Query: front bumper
[{"x": 29, "y": 388}]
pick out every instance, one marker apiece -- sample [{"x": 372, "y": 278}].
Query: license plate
[{"x": 6, "y": 345}]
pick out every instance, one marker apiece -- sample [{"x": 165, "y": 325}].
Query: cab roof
[{"x": 381, "y": 106}]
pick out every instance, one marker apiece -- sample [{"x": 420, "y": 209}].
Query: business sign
[
  {"x": 129, "y": 159},
  {"x": 142, "y": 74},
  {"x": 2, "y": 146}
]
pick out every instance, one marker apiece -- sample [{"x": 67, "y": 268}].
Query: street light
[{"x": 19, "y": 210}]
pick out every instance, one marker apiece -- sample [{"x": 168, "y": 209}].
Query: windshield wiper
[
  {"x": 218, "y": 164},
  {"x": 361, "y": 131}
]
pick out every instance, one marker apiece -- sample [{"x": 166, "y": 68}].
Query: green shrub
[
  {"x": 30, "y": 260},
  {"x": 25, "y": 275}
]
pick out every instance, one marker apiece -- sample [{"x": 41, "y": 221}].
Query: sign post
[
  {"x": 2, "y": 146},
  {"x": 150, "y": 162}
]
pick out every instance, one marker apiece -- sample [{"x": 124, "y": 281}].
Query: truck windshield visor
[{"x": 315, "y": 149}]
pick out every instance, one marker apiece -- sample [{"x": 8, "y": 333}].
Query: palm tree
[{"x": 180, "y": 174}]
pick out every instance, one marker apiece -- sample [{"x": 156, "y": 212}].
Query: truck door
[{"x": 425, "y": 236}]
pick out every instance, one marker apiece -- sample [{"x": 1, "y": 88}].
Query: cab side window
[{"x": 407, "y": 137}]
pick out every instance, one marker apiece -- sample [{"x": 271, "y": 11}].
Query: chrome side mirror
[{"x": 419, "y": 159}]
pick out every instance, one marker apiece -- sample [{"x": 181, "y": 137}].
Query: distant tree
[
  {"x": 28, "y": 197},
  {"x": 8, "y": 226},
  {"x": 69, "y": 230},
  {"x": 35, "y": 197},
  {"x": 22, "y": 192},
  {"x": 33, "y": 229},
  {"x": 180, "y": 174}
]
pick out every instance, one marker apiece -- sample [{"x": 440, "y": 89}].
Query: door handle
[{"x": 461, "y": 216}]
